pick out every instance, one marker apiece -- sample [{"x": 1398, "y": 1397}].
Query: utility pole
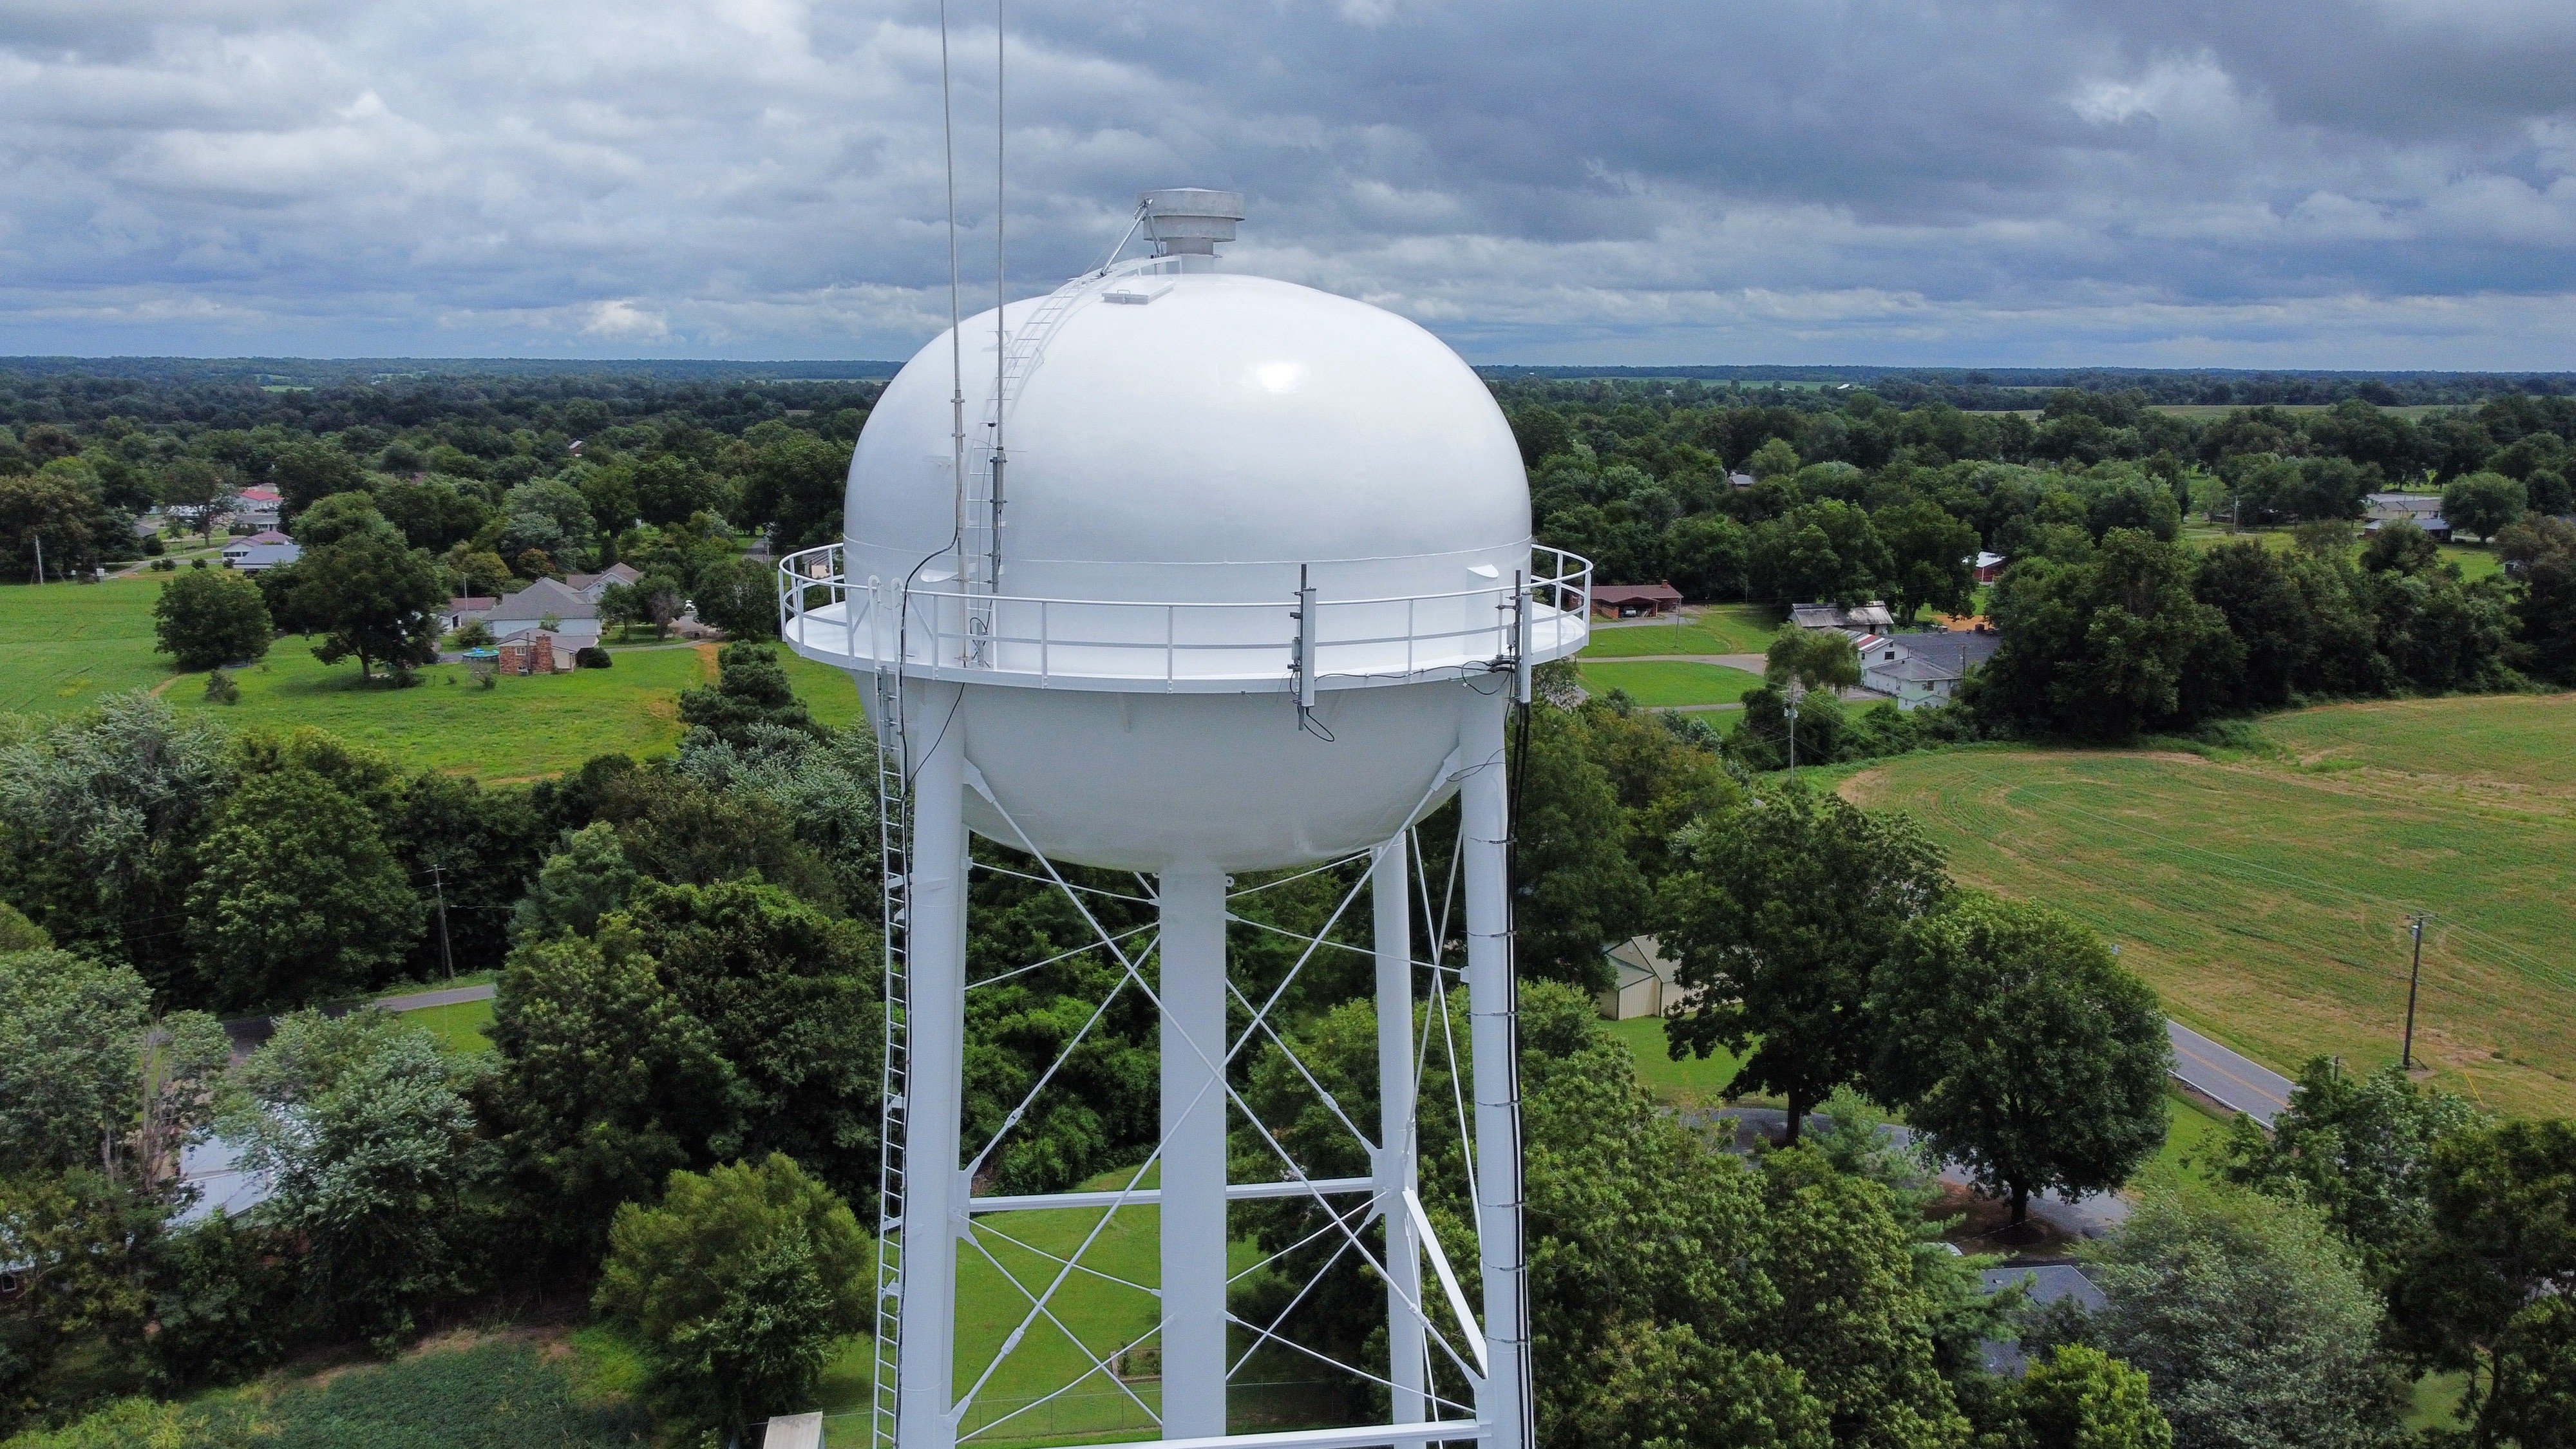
[
  {"x": 2414, "y": 974},
  {"x": 1793, "y": 692},
  {"x": 40, "y": 556},
  {"x": 438, "y": 883}
]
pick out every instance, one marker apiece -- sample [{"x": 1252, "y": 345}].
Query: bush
[
  {"x": 740, "y": 1283},
  {"x": 474, "y": 634},
  {"x": 220, "y": 688},
  {"x": 152, "y": 545},
  {"x": 165, "y": 565},
  {"x": 590, "y": 656}
]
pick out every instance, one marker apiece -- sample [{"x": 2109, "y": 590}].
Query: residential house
[
  {"x": 260, "y": 551},
  {"x": 1986, "y": 567},
  {"x": 1871, "y": 617},
  {"x": 1739, "y": 480},
  {"x": 539, "y": 651},
  {"x": 1643, "y": 983},
  {"x": 591, "y": 586},
  {"x": 1635, "y": 601},
  {"x": 1920, "y": 669},
  {"x": 2424, "y": 508},
  {"x": 459, "y": 611},
  {"x": 257, "y": 507},
  {"x": 2042, "y": 1284},
  {"x": 545, "y": 604}
]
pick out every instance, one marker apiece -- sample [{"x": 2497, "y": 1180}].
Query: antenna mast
[{"x": 1001, "y": 289}]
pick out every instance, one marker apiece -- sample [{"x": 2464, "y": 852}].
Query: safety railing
[{"x": 946, "y": 631}]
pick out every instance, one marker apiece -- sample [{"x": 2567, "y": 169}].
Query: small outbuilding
[
  {"x": 1642, "y": 983},
  {"x": 1635, "y": 601}
]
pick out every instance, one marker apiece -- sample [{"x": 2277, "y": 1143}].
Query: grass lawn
[
  {"x": 1692, "y": 1082},
  {"x": 64, "y": 645},
  {"x": 1666, "y": 682},
  {"x": 1108, "y": 1315},
  {"x": 2191, "y": 1130},
  {"x": 1716, "y": 629},
  {"x": 2267, "y": 898},
  {"x": 458, "y": 1027}
]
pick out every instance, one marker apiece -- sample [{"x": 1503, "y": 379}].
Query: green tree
[
  {"x": 206, "y": 618},
  {"x": 2531, "y": 1399},
  {"x": 2400, "y": 546},
  {"x": 2082, "y": 1398},
  {"x": 1772, "y": 460},
  {"x": 1580, "y": 896},
  {"x": 751, "y": 689},
  {"x": 52, "y": 510},
  {"x": 1824, "y": 550},
  {"x": 1651, "y": 1387},
  {"x": 1780, "y": 913},
  {"x": 299, "y": 899},
  {"x": 74, "y": 1244},
  {"x": 606, "y": 1084},
  {"x": 370, "y": 596},
  {"x": 102, "y": 816},
  {"x": 2358, "y": 1148},
  {"x": 793, "y": 485},
  {"x": 741, "y": 598},
  {"x": 2483, "y": 503},
  {"x": 1933, "y": 558},
  {"x": 741, "y": 1283},
  {"x": 2502, "y": 1201},
  {"x": 68, "y": 1032},
  {"x": 578, "y": 884},
  {"x": 2250, "y": 1319},
  {"x": 2009, "y": 1035},
  {"x": 307, "y": 472},
  {"x": 196, "y": 490},
  {"x": 340, "y": 517},
  {"x": 363, "y": 1128},
  {"x": 653, "y": 600},
  {"x": 2105, "y": 647},
  {"x": 1708, "y": 554},
  {"x": 432, "y": 513}
]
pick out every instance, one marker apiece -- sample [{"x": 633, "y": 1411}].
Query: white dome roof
[{"x": 1193, "y": 436}]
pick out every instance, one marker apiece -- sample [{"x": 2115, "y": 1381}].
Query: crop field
[
  {"x": 65, "y": 646},
  {"x": 1664, "y": 683},
  {"x": 2267, "y": 897},
  {"x": 1716, "y": 629}
]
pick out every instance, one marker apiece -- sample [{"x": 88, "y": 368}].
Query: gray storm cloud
[{"x": 2368, "y": 183}]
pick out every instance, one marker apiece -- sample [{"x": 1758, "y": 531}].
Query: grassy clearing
[
  {"x": 521, "y": 728},
  {"x": 64, "y": 645},
  {"x": 458, "y": 1027},
  {"x": 1714, "y": 629},
  {"x": 2191, "y": 1131},
  {"x": 460, "y": 1392},
  {"x": 2267, "y": 898},
  {"x": 1663, "y": 683},
  {"x": 1692, "y": 1082}
]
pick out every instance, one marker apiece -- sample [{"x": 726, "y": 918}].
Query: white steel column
[
  {"x": 935, "y": 1190},
  {"x": 1485, "y": 835},
  {"x": 1193, "y": 1208},
  {"x": 1391, "y": 902}
]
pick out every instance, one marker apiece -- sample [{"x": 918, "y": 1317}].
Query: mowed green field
[
  {"x": 65, "y": 646},
  {"x": 2267, "y": 899},
  {"x": 1716, "y": 629},
  {"x": 1663, "y": 683}
]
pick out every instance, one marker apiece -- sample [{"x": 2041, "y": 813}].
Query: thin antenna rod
[
  {"x": 956, "y": 324},
  {"x": 1001, "y": 285}
]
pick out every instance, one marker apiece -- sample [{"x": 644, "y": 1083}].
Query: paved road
[
  {"x": 446, "y": 996},
  {"x": 2226, "y": 1078}
]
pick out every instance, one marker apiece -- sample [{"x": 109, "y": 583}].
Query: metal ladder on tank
[
  {"x": 894, "y": 850},
  {"x": 980, "y": 561}
]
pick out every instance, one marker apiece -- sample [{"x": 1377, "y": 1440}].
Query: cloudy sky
[{"x": 2312, "y": 183}]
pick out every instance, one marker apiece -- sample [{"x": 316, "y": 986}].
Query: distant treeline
[{"x": 2004, "y": 389}]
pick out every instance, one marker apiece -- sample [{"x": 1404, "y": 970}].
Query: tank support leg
[
  {"x": 934, "y": 1202},
  {"x": 1193, "y": 1166},
  {"x": 1391, "y": 902},
  {"x": 1503, "y": 1405}
]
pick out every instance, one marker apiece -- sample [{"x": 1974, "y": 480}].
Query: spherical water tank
[{"x": 1185, "y": 451}]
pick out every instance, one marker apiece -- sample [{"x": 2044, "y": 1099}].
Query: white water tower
[{"x": 1188, "y": 573}]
